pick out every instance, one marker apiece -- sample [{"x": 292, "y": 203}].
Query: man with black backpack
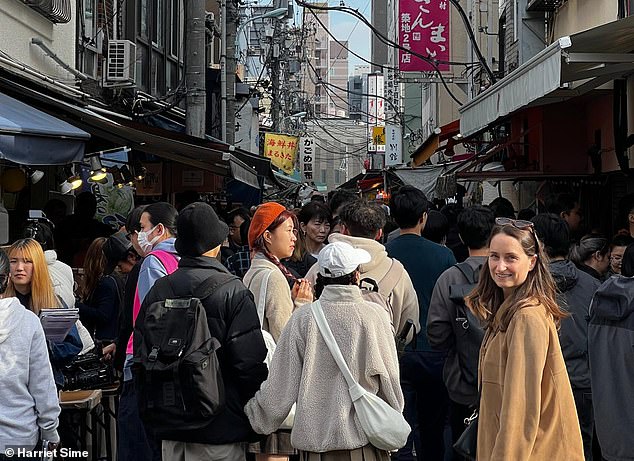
[
  {"x": 451, "y": 326},
  {"x": 198, "y": 349}
]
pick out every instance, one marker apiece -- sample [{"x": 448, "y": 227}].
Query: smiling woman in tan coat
[{"x": 527, "y": 411}]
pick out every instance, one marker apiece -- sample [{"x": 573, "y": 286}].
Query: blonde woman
[
  {"x": 527, "y": 411},
  {"x": 30, "y": 282},
  {"x": 30, "y": 408}
]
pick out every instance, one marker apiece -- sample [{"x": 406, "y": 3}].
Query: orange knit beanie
[{"x": 262, "y": 219}]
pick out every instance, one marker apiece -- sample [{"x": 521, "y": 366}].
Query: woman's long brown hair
[
  {"x": 487, "y": 299},
  {"x": 42, "y": 293},
  {"x": 94, "y": 267}
]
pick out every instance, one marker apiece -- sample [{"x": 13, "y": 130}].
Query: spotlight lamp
[
  {"x": 117, "y": 178},
  {"x": 128, "y": 179},
  {"x": 72, "y": 178},
  {"x": 138, "y": 171},
  {"x": 97, "y": 170}
]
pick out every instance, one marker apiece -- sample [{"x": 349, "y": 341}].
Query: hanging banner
[
  {"x": 423, "y": 27},
  {"x": 393, "y": 145},
  {"x": 307, "y": 157},
  {"x": 282, "y": 150}
]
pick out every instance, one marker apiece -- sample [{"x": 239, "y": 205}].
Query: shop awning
[
  {"x": 31, "y": 137},
  {"x": 423, "y": 178},
  {"x": 151, "y": 140},
  {"x": 569, "y": 67}
]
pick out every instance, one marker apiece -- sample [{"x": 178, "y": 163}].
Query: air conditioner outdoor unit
[{"x": 121, "y": 66}]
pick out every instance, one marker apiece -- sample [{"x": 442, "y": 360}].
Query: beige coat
[
  {"x": 304, "y": 371},
  {"x": 403, "y": 298},
  {"x": 527, "y": 411},
  {"x": 279, "y": 304}
]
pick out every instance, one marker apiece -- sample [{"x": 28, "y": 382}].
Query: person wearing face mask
[{"x": 155, "y": 240}]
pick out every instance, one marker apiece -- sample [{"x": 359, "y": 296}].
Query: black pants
[
  {"x": 426, "y": 405},
  {"x": 457, "y": 414}
]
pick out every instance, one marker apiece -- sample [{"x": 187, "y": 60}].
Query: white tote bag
[
  {"x": 269, "y": 341},
  {"x": 384, "y": 426}
]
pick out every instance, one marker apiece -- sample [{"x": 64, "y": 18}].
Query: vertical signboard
[
  {"x": 307, "y": 157},
  {"x": 392, "y": 93},
  {"x": 393, "y": 145},
  {"x": 423, "y": 27}
]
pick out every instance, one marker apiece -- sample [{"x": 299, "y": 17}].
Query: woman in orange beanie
[{"x": 272, "y": 237}]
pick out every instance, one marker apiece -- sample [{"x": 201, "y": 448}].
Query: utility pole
[
  {"x": 195, "y": 67},
  {"x": 275, "y": 78},
  {"x": 230, "y": 121}
]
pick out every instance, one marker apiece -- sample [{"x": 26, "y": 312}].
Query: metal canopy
[
  {"x": 569, "y": 67},
  {"x": 31, "y": 137}
]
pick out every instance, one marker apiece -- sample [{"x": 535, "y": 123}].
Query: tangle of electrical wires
[
  {"x": 384, "y": 39},
  {"x": 345, "y": 90},
  {"x": 394, "y": 119},
  {"x": 259, "y": 80}
]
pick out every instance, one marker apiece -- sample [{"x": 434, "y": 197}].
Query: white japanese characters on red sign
[{"x": 423, "y": 28}]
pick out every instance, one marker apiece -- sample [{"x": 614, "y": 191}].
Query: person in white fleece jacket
[
  {"x": 30, "y": 405},
  {"x": 326, "y": 427}
]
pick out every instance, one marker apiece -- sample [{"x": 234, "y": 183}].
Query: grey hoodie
[
  {"x": 575, "y": 290},
  {"x": 27, "y": 389},
  {"x": 611, "y": 350}
]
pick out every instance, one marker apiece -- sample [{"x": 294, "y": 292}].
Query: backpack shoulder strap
[
  {"x": 209, "y": 285},
  {"x": 391, "y": 279},
  {"x": 470, "y": 274}
]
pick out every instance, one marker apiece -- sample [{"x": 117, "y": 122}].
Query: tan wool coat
[{"x": 527, "y": 411}]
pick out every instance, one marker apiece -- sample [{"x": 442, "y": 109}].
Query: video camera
[{"x": 88, "y": 371}]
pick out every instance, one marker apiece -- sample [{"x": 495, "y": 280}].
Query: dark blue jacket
[
  {"x": 575, "y": 291},
  {"x": 611, "y": 349},
  {"x": 100, "y": 313}
]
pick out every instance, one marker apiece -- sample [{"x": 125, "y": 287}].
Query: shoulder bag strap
[
  {"x": 261, "y": 307},
  {"x": 326, "y": 333},
  {"x": 391, "y": 278}
]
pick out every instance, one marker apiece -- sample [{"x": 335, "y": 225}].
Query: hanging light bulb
[{"x": 97, "y": 170}]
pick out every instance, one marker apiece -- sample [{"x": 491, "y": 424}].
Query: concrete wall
[
  {"x": 579, "y": 15},
  {"x": 19, "y": 24}
]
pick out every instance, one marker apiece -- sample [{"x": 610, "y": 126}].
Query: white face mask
[{"x": 145, "y": 244}]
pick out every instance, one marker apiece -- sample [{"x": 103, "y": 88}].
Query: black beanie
[{"x": 199, "y": 230}]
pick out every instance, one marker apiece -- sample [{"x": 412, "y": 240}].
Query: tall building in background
[
  {"x": 328, "y": 63},
  {"x": 338, "y": 79},
  {"x": 379, "y": 21}
]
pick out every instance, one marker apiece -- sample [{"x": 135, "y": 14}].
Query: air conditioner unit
[{"x": 121, "y": 66}]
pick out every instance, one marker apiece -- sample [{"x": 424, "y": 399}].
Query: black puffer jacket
[
  {"x": 576, "y": 289},
  {"x": 233, "y": 320}
]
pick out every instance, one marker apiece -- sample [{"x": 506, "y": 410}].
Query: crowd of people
[{"x": 442, "y": 313}]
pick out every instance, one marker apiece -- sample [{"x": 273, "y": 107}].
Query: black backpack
[
  {"x": 177, "y": 374},
  {"x": 468, "y": 330}
]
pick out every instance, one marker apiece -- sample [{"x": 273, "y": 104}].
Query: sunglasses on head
[{"x": 518, "y": 223}]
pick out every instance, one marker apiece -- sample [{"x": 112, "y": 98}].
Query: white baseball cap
[{"x": 340, "y": 258}]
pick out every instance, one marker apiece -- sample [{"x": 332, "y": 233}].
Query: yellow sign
[
  {"x": 378, "y": 135},
  {"x": 281, "y": 149}
]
